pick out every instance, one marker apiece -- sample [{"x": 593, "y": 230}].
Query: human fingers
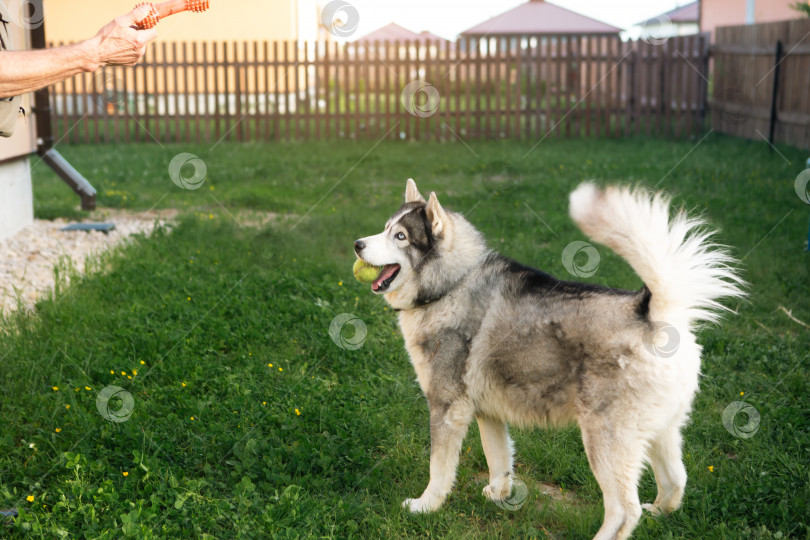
[{"x": 138, "y": 14}]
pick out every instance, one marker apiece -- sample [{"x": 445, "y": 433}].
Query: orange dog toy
[{"x": 164, "y": 9}]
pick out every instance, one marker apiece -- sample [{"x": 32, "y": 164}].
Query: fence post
[
  {"x": 664, "y": 98},
  {"x": 632, "y": 121},
  {"x": 775, "y": 92},
  {"x": 703, "y": 94},
  {"x": 238, "y": 71}
]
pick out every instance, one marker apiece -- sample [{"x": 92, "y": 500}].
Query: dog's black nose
[{"x": 358, "y": 246}]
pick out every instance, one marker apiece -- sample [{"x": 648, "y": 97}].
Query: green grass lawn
[{"x": 249, "y": 421}]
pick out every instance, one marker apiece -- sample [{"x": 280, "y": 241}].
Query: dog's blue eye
[{"x": 400, "y": 236}]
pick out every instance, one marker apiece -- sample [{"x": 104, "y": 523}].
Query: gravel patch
[{"x": 27, "y": 259}]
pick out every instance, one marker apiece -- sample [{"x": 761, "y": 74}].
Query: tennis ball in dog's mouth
[{"x": 364, "y": 272}]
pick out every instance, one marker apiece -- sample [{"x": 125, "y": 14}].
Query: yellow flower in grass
[
  {"x": 280, "y": 369},
  {"x": 297, "y": 412},
  {"x": 30, "y": 498},
  {"x": 87, "y": 388},
  {"x": 123, "y": 373},
  {"x": 192, "y": 418},
  {"x": 55, "y": 388},
  {"x": 125, "y": 473},
  {"x": 67, "y": 406},
  {"x": 143, "y": 363},
  {"x": 742, "y": 393},
  {"x": 184, "y": 385},
  {"x": 134, "y": 372},
  {"x": 269, "y": 365},
  {"x": 112, "y": 372},
  {"x": 711, "y": 468},
  {"x": 58, "y": 430}
]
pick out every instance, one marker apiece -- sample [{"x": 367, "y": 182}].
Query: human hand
[{"x": 119, "y": 42}]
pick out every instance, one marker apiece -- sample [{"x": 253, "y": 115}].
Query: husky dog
[{"x": 498, "y": 341}]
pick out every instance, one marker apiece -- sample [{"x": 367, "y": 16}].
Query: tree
[{"x": 802, "y": 7}]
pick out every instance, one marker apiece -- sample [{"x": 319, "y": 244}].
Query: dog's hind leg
[
  {"x": 670, "y": 474},
  {"x": 448, "y": 426},
  {"x": 616, "y": 460},
  {"x": 498, "y": 449}
]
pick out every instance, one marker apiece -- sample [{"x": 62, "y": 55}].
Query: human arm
[{"x": 117, "y": 43}]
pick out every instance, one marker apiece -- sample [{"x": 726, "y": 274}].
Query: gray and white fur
[{"x": 494, "y": 340}]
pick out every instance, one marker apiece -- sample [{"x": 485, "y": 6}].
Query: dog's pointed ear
[
  {"x": 435, "y": 214},
  {"x": 412, "y": 193}
]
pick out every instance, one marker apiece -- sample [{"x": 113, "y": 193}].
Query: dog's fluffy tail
[{"x": 686, "y": 272}]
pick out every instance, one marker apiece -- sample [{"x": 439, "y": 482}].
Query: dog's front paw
[
  {"x": 500, "y": 489},
  {"x": 421, "y": 505},
  {"x": 652, "y": 509}
]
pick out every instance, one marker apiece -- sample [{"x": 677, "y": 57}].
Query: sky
[{"x": 447, "y": 18}]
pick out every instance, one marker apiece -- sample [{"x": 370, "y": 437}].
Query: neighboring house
[
  {"x": 245, "y": 20},
  {"x": 714, "y": 13},
  {"x": 224, "y": 23},
  {"x": 393, "y": 32},
  {"x": 536, "y": 23},
  {"x": 539, "y": 17},
  {"x": 681, "y": 21}
]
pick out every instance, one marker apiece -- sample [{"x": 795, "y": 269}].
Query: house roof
[
  {"x": 395, "y": 32},
  {"x": 540, "y": 17},
  {"x": 427, "y": 35},
  {"x": 685, "y": 14}
]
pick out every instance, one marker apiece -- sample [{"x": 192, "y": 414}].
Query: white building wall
[{"x": 16, "y": 197}]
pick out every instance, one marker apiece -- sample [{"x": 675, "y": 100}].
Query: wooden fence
[
  {"x": 526, "y": 87},
  {"x": 762, "y": 82}
]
